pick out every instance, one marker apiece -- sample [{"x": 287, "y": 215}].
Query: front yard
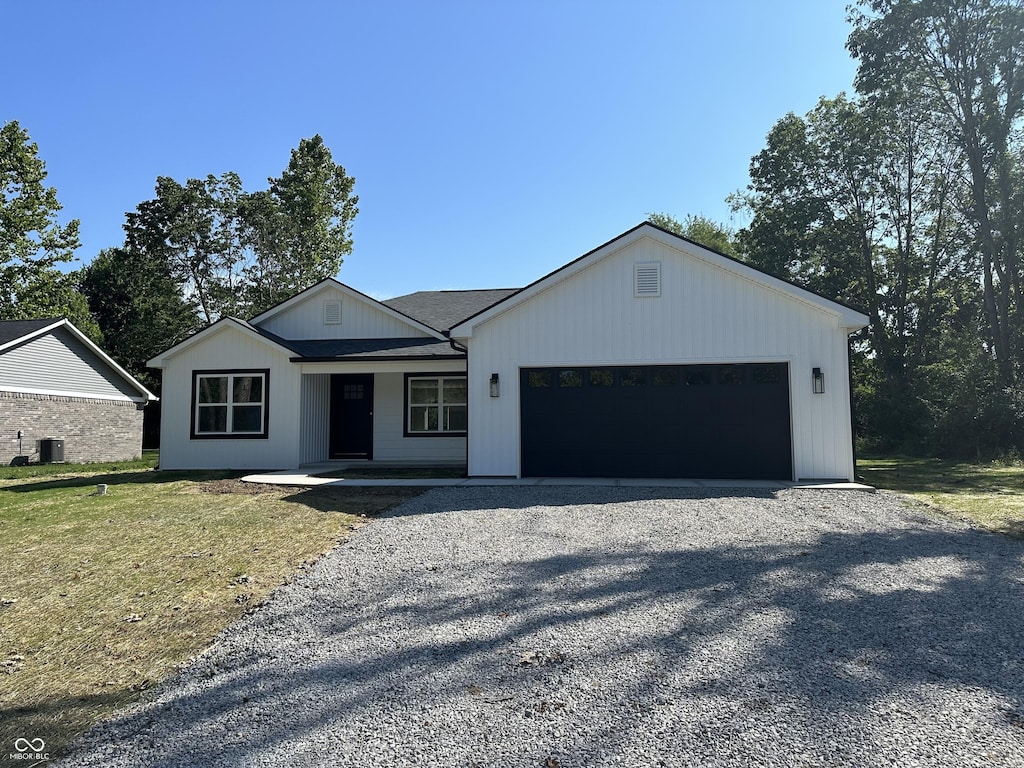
[
  {"x": 991, "y": 495},
  {"x": 102, "y": 596}
]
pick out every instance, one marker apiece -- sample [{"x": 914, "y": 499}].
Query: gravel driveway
[{"x": 616, "y": 627}]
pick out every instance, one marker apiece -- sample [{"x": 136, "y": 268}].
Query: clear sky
[{"x": 491, "y": 142}]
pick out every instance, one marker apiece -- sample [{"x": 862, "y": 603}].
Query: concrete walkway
[{"x": 307, "y": 477}]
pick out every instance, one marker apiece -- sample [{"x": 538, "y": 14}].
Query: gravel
[{"x": 558, "y": 627}]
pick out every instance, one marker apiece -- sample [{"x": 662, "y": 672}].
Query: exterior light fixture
[
  {"x": 818, "y": 381},
  {"x": 495, "y": 385}
]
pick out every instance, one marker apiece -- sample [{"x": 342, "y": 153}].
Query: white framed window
[
  {"x": 435, "y": 404},
  {"x": 230, "y": 403}
]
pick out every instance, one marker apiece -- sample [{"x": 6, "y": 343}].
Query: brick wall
[{"x": 92, "y": 430}]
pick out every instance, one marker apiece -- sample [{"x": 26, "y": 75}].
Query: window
[
  {"x": 570, "y": 379},
  {"x": 538, "y": 379},
  {"x": 436, "y": 405},
  {"x": 230, "y": 403},
  {"x": 633, "y": 377}
]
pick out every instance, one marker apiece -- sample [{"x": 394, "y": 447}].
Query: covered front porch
[{"x": 364, "y": 412}]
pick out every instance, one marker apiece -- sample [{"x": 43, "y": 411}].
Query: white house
[{"x": 650, "y": 356}]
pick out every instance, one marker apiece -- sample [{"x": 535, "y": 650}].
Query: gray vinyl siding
[{"x": 58, "y": 362}]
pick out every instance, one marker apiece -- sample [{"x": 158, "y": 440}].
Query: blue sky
[{"x": 491, "y": 142}]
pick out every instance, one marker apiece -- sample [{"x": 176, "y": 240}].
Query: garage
[{"x": 725, "y": 421}]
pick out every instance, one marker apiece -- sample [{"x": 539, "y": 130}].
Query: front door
[{"x": 351, "y": 423}]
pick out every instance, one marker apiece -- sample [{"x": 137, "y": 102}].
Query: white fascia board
[
  {"x": 107, "y": 359},
  {"x": 352, "y": 293},
  {"x": 160, "y": 361}
]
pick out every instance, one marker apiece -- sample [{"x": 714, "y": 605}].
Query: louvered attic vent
[
  {"x": 332, "y": 312},
  {"x": 647, "y": 279}
]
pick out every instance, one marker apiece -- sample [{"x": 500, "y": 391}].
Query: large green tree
[
  {"x": 139, "y": 305},
  {"x": 313, "y": 209},
  {"x": 32, "y": 241},
  {"x": 855, "y": 201},
  {"x": 966, "y": 58},
  {"x": 234, "y": 252}
]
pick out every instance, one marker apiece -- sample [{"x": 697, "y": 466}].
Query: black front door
[{"x": 351, "y": 428}]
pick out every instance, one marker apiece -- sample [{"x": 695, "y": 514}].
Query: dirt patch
[
  {"x": 237, "y": 486},
  {"x": 354, "y": 500}
]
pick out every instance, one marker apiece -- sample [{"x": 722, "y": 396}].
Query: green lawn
[
  {"x": 103, "y": 596},
  {"x": 991, "y": 495}
]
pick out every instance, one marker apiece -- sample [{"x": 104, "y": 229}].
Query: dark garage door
[{"x": 713, "y": 421}]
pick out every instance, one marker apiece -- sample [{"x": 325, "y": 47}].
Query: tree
[
  {"x": 32, "y": 242},
  {"x": 699, "y": 229},
  {"x": 139, "y": 306},
  {"x": 191, "y": 230},
  {"x": 300, "y": 229},
  {"x": 233, "y": 252},
  {"x": 968, "y": 57},
  {"x": 855, "y": 202}
]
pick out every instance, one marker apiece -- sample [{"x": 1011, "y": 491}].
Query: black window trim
[
  {"x": 405, "y": 402},
  {"x": 262, "y": 435}
]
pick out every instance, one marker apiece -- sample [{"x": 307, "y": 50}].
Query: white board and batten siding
[
  {"x": 706, "y": 313},
  {"x": 57, "y": 363},
  {"x": 389, "y": 440},
  {"x": 357, "y": 318},
  {"x": 230, "y": 349}
]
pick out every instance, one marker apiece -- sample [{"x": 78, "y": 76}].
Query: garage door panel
[{"x": 713, "y": 421}]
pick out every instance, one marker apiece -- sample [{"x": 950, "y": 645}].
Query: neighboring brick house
[{"x": 56, "y": 384}]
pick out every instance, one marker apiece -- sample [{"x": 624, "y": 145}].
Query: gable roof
[
  {"x": 849, "y": 318},
  {"x": 443, "y": 309},
  {"x": 330, "y": 282},
  {"x": 159, "y": 360},
  {"x": 14, "y": 333}
]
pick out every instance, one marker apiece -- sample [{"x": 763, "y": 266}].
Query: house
[
  {"x": 56, "y": 384},
  {"x": 649, "y": 356}
]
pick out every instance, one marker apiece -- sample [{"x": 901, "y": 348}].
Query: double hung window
[
  {"x": 230, "y": 403},
  {"x": 436, "y": 405}
]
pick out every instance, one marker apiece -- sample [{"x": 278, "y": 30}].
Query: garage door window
[
  {"x": 570, "y": 379},
  {"x": 602, "y": 377},
  {"x": 633, "y": 377},
  {"x": 539, "y": 379},
  {"x": 436, "y": 405}
]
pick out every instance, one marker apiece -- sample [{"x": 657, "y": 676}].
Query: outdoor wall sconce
[
  {"x": 818, "y": 381},
  {"x": 495, "y": 385}
]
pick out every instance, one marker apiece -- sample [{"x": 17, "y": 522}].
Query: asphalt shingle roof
[
  {"x": 336, "y": 349},
  {"x": 15, "y": 329},
  {"x": 339, "y": 349},
  {"x": 445, "y": 309}
]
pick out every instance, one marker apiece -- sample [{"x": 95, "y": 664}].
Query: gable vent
[
  {"x": 332, "y": 312},
  {"x": 647, "y": 279}
]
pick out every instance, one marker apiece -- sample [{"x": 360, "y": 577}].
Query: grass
[
  {"x": 148, "y": 461},
  {"x": 991, "y": 495},
  {"x": 101, "y": 597}
]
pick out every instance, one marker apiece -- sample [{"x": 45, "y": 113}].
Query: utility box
[{"x": 51, "y": 451}]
